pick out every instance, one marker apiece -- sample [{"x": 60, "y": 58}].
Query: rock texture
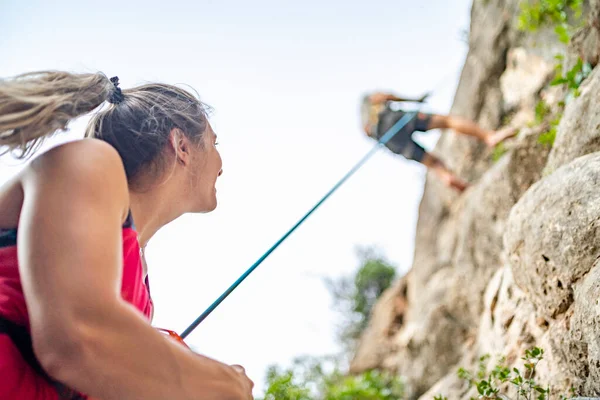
[
  {"x": 387, "y": 317},
  {"x": 553, "y": 235},
  {"x": 513, "y": 262},
  {"x": 579, "y": 132}
]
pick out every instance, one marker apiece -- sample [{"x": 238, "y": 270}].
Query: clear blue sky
[{"x": 285, "y": 79}]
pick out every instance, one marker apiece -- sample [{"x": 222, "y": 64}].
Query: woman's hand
[
  {"x": 424, "y": 98},
  {"x": 246, "y": 382}
]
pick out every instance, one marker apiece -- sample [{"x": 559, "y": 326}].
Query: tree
[
  {"x": 311, "y": 378},
  {"x": 323, "y": 378},
  {"x": 356, "y": 295}
]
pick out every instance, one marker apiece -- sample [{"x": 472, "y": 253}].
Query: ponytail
[
  {"x": 35, "y": 105},
  {"x": 138, "y": 125}
]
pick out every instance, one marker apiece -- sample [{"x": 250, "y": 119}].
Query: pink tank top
[{"x": 21, "y": 377}]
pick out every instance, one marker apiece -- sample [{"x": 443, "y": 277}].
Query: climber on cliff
[{"x": 378, "y": 117}]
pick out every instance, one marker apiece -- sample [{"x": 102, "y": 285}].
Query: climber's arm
[{"x": 379, "y": 98}]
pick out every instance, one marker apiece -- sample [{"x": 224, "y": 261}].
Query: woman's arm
[
  {"x": 70, "y": 261},
  {"x": 378, "y": 98}
]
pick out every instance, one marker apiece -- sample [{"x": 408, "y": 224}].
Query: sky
[{"x": 285, "y": 80}]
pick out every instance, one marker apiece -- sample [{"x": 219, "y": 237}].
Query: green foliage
[
  {"x": 547, "y": 138},
  {"x": 542, "y": 110},
  {"x": 498, "y": 152},
  {"x": 372, "y": 385},
  {"x": 373, "y": 277},
  {"x": 281, "y": 385},
  {"x": 573, "y": 78},
  {"x": 322, "y": 379},
  {"x": 356, "y": 295},
  {"x": 494, "y": 384},
  {"x": 537, "y": 13}
]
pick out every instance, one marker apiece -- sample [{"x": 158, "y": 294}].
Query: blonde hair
[{"x": 34, "y": 106}]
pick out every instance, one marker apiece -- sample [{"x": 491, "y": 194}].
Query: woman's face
[{"x": 206, "y": 168}]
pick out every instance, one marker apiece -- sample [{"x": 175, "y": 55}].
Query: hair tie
[{"x": 116, "y": 95}]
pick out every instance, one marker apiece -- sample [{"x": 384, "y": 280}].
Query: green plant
[
  {"x": 537, "y": 13},
  {"x": 547, "y": 138},
  {"x": 371, "y": 385},
  {"x": 526, "y": 386},
  {"x": 498, "y": 152},
  {"x": 573, "y": 77},
  {"x": 322, "y": 379},
  {"x": 494, "y": 384},
  {"x": 355, "y": 296},
  {"x": 542, "y": 110},
  {"x": 281, "y": 385}
]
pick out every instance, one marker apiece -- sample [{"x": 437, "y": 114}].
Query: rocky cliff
[{"x": 514, "y": 261}]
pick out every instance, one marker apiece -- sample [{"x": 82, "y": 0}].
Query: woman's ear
[{"x": 181, "y": 146}]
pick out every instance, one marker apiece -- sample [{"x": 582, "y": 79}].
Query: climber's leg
[
  {"x": 438, "y": 167},
  {"x": 470, "y": 128},
  {"x": 501, "y": 135}
]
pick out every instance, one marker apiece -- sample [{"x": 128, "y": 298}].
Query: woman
[
  {"x": 74, "y": 301},
  {"x": 378, "y": 117}
]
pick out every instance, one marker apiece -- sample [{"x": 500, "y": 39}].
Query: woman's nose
[{"x": 220, "y": 172}]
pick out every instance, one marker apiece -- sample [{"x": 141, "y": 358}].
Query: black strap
[
  {"x": 22, "y": 339},
  {"x": 8, "y": 237},
  {"x": 129, "y": 221}
]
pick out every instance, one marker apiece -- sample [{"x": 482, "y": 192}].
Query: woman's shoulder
[
  {"x": 87, "y": 157},
  {"x": 78, "y": 150},
  {"x": 86, "y": 165}
]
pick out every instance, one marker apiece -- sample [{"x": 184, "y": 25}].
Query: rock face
[
  {"x": 512, "y": 262},
  {"x": 387, "y": 317},
  {"x": 553, "y": 235},
  {"x": 580, "y": 126}
]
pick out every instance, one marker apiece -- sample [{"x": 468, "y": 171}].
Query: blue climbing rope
[{"x": 384, "y": 139}]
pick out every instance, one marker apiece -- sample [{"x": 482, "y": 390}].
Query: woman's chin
[
  {"x": 214, "y": 206},
  {"x": 208, "y": 206}
]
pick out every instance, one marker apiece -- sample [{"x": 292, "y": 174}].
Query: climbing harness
[{"x": 384, "y": 139}]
